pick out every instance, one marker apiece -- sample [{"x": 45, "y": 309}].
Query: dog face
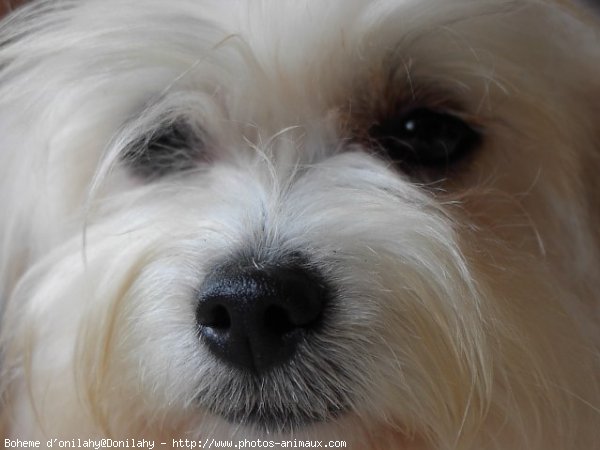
[{"x": 372, "y": 221}]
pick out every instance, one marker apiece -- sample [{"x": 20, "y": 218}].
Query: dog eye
[
  {"x": 425, "y": 139},
  {"x": 172, "y": 148}
]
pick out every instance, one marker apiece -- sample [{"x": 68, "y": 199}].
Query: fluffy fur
[{"x": 466, "y": 313}]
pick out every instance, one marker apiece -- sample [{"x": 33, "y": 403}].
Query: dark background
[{"x": 8, "y": 5}]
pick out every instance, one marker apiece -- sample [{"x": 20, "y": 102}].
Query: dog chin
[{"x": 368, "y": 221}]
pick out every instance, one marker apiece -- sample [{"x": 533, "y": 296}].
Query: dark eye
[
  {"x": 174, "y": 147},
  {"x": 425, "y": 139}
]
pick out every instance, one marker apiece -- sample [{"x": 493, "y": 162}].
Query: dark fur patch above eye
[{"x": 172, "y": 148}]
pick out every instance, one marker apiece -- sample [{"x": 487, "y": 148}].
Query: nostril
[
  {"x": 216, "y": 317},
  {"x": 278, "y": 321}
]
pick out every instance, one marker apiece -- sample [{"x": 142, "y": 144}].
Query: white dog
[{"x": 364, "y": 221}]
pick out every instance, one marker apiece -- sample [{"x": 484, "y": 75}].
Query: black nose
[{"x": 254, "y": 317}]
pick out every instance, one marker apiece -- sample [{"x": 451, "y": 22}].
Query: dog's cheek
[
  {"x": 75, "y": 340},
  {"x": 49, "y": 312}
]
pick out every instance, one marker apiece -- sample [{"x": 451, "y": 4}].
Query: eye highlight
[
  {"x": 174, "y": 147},
  {"x": 425, "y": 138}
]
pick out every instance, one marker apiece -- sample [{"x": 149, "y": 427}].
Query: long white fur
[{"x": 466, "y": 317}]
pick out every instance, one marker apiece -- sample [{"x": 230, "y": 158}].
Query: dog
[{"x": 370, "y": 224}]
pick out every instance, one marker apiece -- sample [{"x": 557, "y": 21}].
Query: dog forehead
[
  {"x": 308, "y": 53},
  {"x": 286, "y": 34},
  {"x": 278, "y": 47},
  {"x": 295, "y": 35},
  {"x": 295, "y": 51},
  {"x": 305, "y": 56}
]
